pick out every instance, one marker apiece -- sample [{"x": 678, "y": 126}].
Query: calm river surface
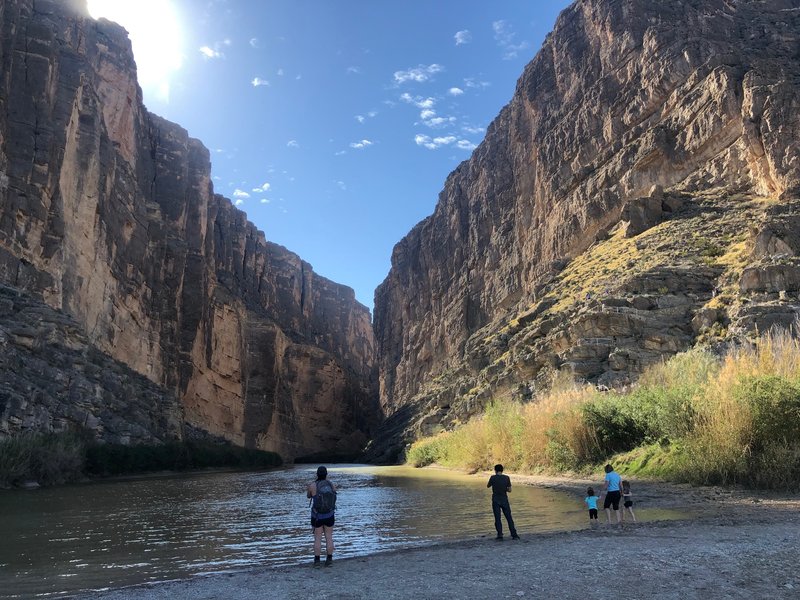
[{"x": 58, "y": 541}]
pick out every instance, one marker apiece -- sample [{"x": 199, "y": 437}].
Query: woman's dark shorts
[
  {"x": 612, "y": 498},
  {"x": 628, "y": 503},
  {"x": 320, "y": 522},
  {"x": 592, "y": 513}
]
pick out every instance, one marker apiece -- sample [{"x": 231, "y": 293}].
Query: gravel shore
[{"x": 741, "y": 545}]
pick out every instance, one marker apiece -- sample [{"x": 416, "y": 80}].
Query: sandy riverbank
[{"x": 742, "y": 546}]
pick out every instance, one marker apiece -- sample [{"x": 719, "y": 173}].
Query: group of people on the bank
[
  {"x": 322, "y": 495},
  {"x": 615, "y": 489}
]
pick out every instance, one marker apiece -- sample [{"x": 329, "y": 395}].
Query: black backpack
[{"x": 325, "y": 499}]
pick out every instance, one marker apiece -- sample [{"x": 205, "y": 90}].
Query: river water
[{"x": 57, "y": 541}]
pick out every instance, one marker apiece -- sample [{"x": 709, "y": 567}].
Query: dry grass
[{"x": 695, "y": 418}]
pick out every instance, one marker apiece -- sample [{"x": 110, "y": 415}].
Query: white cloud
[
  {"x": 280, "y": 72},
  {"x": 292, "y": 144},
  {"x": 237, "y": 193},
  {"x": 473, "y": 83},
  {"x": 506, "y": 39},
  {"x": 361, "y": 144},
  {"x": 427, "y": 114},
  {"x": 418, "y": 101},
  {"x": 227, "y": 42},
  {"x": 298, "y": 78},
  {"x": 341, "y": 185},
  {"x": 340, "y": 153},
  {"x": 419, "y": 74},
  {"x": 441, "y": 141},
  {"x": 353, "y": 70},
  {"x": 360, "y": 118},
  {"x": 209, "y": 52},
  {"x": 265, "y": 201},
  {"x": 262, "y": 189},
  {"x": 239, "y": 202},
  {"x": 463, "y": 37},
  {"x": 258, "y": 82},
  {"x": 455, "y": 91},
  {"x": 255, "y": 43},
  {"x": 372, "y": 114},
  {"x": 473, "y": 130},
  {"x": 439, "y": 121}
]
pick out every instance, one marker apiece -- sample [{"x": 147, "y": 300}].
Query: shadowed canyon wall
[
  {"x": 632, "y": 112},
  {"x": 108, "y": 214}
]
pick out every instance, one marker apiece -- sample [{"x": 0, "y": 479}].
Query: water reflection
[{"x": 62, "y": 540}]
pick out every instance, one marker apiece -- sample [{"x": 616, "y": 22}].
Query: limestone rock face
[
  {"x": 632, "y": 112},
  {"x": 108, "y": 213},
  {"x": 61, "y": 380}
]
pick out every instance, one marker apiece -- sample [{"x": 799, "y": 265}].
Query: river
[{"x": 62, "y": 540}]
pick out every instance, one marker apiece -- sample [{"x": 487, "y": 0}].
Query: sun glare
[{"x": 156, "y": 35}]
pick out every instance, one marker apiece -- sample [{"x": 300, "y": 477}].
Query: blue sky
[{"x": 333, "y": 124}]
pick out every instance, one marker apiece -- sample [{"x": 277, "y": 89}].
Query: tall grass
[
  {"x": 696, "y": 418},
  {"x": 44, "y": 458}
]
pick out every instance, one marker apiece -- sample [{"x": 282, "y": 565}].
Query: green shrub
[
  {"x": 46, "y": 458},
  {"x": 425, "y": 452},
  {"x": 55, "y": 458},
  {"x": 774, "y": 402}
]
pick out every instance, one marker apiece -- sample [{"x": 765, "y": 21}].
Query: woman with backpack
[{"x": 323, "y": 506}]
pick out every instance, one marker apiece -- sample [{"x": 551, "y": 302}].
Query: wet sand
[{"x": 742, "y": 545}]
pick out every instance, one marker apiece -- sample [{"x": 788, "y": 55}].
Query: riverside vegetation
[
  {"x": 697, "y": 418},
  {"x": 54, "y": 458}
]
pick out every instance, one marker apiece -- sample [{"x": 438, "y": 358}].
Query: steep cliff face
[
  {"x": 108, "y": 213},
  {"x": 637, "y": 120}
]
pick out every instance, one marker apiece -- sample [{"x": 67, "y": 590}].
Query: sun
[{"x": 156, "y": 35}]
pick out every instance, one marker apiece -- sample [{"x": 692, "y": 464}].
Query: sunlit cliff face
[{"x": 157, "y": 37}]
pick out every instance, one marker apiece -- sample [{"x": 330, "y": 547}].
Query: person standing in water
[
  {"x": 323, "y": 506},
  {"x": 591, "y": 503},
  {"x": 613, "y": 492},
  {"x": 627, "y": 499},
  {"x": 501, "y": 486}
]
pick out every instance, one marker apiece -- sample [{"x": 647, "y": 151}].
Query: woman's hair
[
  {"x": 609, "y": 468},
  {"x": 626, "y": 486},
  {"x": 590, "y": 492},
  {"x": 322, "y": 473}
]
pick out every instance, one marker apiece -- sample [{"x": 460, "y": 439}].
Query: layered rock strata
[
  {"x": 108, "y": 213},
  {"x": 61, "y": 381},
  {"x": 636, "y": 120}
]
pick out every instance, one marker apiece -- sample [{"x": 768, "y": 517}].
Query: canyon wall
[
  {"x": 636, "y": 119},
  {"x": 108, "y": 214}
]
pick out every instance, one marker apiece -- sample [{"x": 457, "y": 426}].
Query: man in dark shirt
[{"x": 501, "y": 486}]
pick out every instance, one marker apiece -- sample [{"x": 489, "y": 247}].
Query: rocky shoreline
[{"x": 743, "y": 545}]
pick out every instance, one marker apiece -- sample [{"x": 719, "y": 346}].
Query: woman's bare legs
[
  {"x": 317, "y": 540},
  {"x": 328, "y": 543}
]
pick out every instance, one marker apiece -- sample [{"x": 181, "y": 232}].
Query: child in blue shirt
[{"x": 591, "y": 502}]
